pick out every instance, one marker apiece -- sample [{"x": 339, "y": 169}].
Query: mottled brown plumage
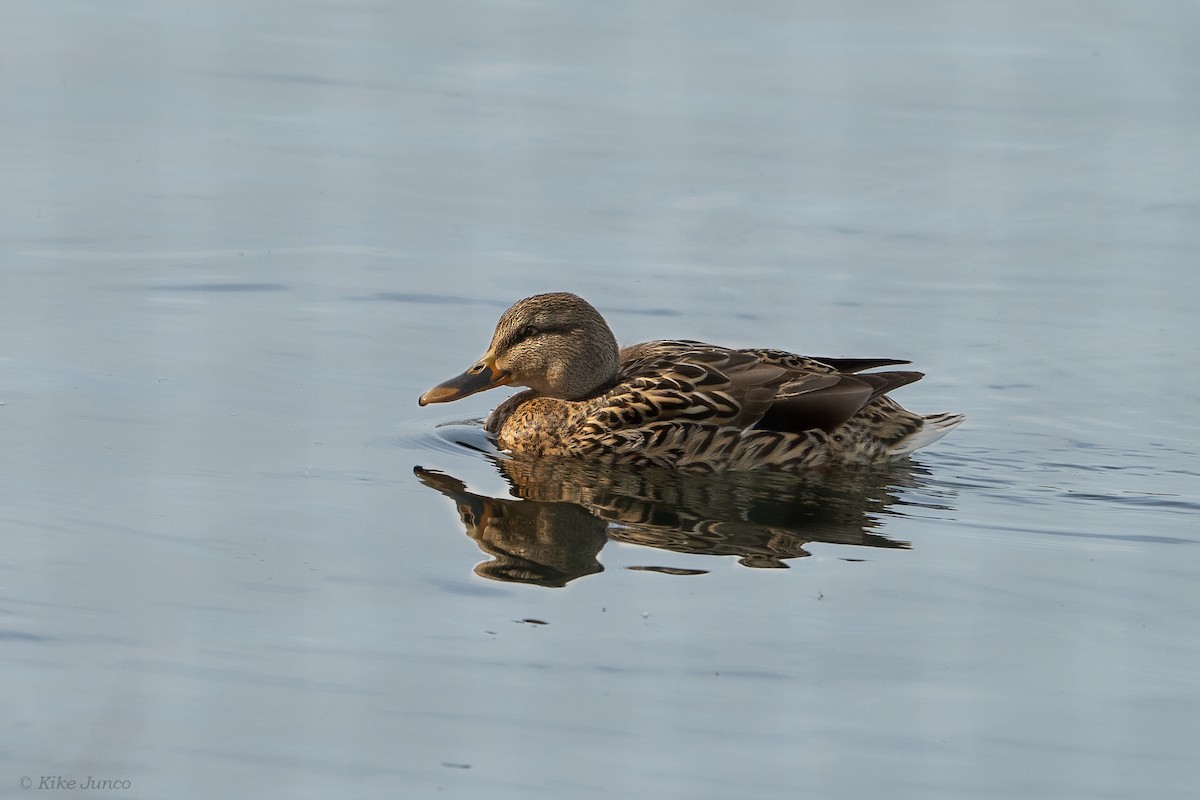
[{"x": 683, "y": 404}]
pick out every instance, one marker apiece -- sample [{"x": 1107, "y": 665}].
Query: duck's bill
[{"x": 483, "y": 375}]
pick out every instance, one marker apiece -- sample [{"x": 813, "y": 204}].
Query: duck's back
[{"x": 691, "y": 405}]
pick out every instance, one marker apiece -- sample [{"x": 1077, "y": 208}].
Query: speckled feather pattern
[{"x": 690, "y": 405}]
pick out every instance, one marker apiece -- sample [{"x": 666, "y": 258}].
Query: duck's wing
[
  {"x": 683, "y": 405},
  {"x": 690, "y": 405},
  {"x": 690, "y": 380},
  {"x": 804, "y": 404},
  {"x": 801, "y": 407}
]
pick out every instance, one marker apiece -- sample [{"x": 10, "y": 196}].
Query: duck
[{"x": 680, "y": 403}]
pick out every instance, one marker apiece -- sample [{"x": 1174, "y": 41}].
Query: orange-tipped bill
[{"x": 483, "y": 375}]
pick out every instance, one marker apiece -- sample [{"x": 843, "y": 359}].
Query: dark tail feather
[{"x": 859, "y": 364}]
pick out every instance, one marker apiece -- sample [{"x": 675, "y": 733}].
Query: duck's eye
[{"x": 529, "y": 330}]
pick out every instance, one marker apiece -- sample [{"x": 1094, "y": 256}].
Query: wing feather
[{"x": 692, "y": 405}]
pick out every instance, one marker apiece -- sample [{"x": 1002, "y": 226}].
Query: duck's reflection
[{"x": 567, "y": 510}]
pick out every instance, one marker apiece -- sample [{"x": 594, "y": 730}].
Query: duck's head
[{"x": 556, "y": 344}]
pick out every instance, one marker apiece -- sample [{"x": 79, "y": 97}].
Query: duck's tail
[{"x": 935, "y": 427}]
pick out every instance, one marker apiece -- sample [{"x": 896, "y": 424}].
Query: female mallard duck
[{"x": 683, "y": 404}]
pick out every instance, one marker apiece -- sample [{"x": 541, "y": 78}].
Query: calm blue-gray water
[{"x": 238, "y": 239}]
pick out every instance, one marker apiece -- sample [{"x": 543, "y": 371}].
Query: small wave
[
  {"x": 1146, "y": 500},
  {"x": 453, "y": 438},
  {"x": 1073, "y": 534}
]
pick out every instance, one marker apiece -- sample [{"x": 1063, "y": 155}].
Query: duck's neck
[{"x": 583, "y": 376}]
